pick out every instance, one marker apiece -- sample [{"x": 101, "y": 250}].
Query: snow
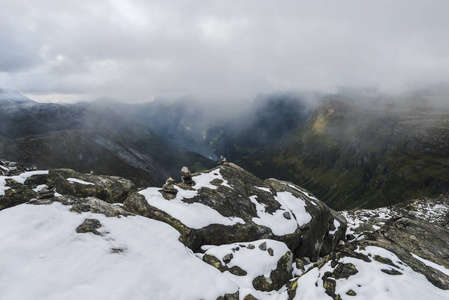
[
  {"x": 336, "y": 225},
  {"x": 370, "y": 282},
  {"x": 71, "y": 180},
  {"x": 263, "y": 189},
  {"x": 39, "y": 187},
  {"x": 194, "y": 215},
  {"x": 44, "y": 258},
  {"x": 432, "y": 264},
  {"x": 276, "y": 221},
  {"x": 296, "y": 205},
  {"x": 255, "y": 262},
  {"x": 19, "y": 178},
  {"x": 13, "y": 96}
]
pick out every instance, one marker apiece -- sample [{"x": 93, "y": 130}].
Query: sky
[{"x": 137, "y": 50}]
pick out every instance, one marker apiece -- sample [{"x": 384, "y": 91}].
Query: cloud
[{"x": 138, "y": 50}]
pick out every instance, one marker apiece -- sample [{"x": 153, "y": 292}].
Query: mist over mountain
[
  {"x": 87, "y": 137},
  {"x": 356, "y": 148}
]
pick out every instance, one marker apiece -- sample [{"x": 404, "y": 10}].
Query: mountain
[
  {"x": 12, "y": 97},
  {"x": 366, "y": 153},
  {"x": 356, "y": 154},
  {"x": 85, "y": 151},
  {"x": 218, "y": 234},
  {"x": 142, "y": 155}
]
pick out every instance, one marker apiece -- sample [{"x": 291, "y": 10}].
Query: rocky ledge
[{"x": 218, "y": 234}]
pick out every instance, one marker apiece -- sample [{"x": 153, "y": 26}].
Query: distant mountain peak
[{"x": 8, "y": 96}]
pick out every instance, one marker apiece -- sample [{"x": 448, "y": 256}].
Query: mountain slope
[
  {"x": 25, "y": 120},
  {"x": 85, "y": 151},
  {"x": 369, "y": 154},
  {"x": 72, "y": 245}
]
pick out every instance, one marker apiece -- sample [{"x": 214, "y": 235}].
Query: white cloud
[{"x": 134, "y": 50}]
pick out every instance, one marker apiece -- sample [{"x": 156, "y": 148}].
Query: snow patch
[{"x": 72, "y": 180}]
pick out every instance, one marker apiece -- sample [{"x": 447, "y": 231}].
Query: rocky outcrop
[
  {"x": 15, "y": 194},
  {"x": 264, "y": 265},
  {"x": 112, "y": 189},
  {"x": 229, "y": 204},
  {"x": 392, "y": 245}
]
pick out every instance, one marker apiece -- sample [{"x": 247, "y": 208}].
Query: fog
[{"x": 138, "y": 51}]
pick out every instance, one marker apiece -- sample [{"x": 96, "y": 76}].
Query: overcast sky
[{"x": 136, "y": 50}]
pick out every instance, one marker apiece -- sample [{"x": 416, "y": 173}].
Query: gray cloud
[{"x": 138, "y": 50}]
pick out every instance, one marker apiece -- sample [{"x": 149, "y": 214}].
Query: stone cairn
[
  {"x": 168, "y": 189},
  {"x": 222, "y": 159},
  {"x": 186, "y": 176},
  {"x": 46, "y": 192}
]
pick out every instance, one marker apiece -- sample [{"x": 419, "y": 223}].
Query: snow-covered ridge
[
  {"x": 194, "y": 215},
  {"x": 7, "y": 96},
  {"x": 48, "y": 244}
]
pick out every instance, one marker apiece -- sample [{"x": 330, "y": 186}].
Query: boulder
[
  {"x": 15, "y": 194},
  {"x": 228, "y": 205},
  {"x": 112, "y": 189}
]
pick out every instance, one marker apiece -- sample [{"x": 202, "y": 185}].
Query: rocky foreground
[{"x": 221, "y": 234}]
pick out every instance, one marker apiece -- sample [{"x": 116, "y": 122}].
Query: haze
[{"x": 135, "y": 51}]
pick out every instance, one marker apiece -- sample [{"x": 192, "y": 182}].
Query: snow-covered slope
[
  {"x": 10, "y": 97},
  {"x": 75, "y": 246},
  {"x": 43, "y": 257}
]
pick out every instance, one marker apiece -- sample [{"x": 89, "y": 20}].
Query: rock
[
  {"x": 287, "y": 215},
  {"x": 168, "y": 189},
  {"x": 111, "y": 189},
  {"x": 16, "y": 194},
  {"x": 247, "y": 209},
  {"x": 89, "y": 204},
  {"x": 89, "y": 226},
  {"x": 222, "y": 159},
  {"x": 270, "y": 251},
  {"x": 35, "y": 180},
  {"x": 45, "y": 193},
  {"x": 278, "y": 277},
  {"x": 249, "y": 297},
  {"x": 186, "y": 176},
  {"x": 227, "y": 258},
  {"x": 280, "y": 264},
  {"x": 235, "y": 270},
  {"x": 263, "y": 246},
  {"x": 396, "y": 250},
  {"x": 350, "y": 237}
]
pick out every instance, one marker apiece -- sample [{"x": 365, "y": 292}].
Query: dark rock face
[
  {"x": 242, "y": 197},
  {"x": 111, "y": 189}
]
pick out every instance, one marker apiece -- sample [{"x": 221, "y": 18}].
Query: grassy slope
[{"x": 362, "y": 156}]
